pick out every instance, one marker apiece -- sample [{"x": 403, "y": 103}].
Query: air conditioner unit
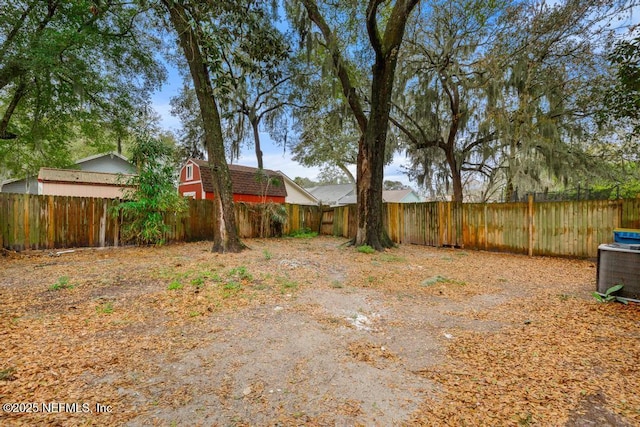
[{"x": 619, "y": 264}]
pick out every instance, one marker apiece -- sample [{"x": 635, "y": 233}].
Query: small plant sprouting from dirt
[
  {"x": 371, "y": 280},
  {"x": 240, "y": 273},
  {"x": 608, "y": 295},
  {"x": 105, "y": 308},
  {"x": 62, "y": 283},
  {"x": 231, "y": 288},
  {"x": 198, "y": 282},
  {"x": 267, "y": 254},
  {"x": 7, "y": 374},
  {"x": 287, "y": 284},
  {"x": 525, "y": 419},
  {"x": 366, "y": 249},
  {"x": 174, "y": 285}
]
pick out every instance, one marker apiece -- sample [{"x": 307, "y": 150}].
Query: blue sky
[{"x": 273, "y": 157}]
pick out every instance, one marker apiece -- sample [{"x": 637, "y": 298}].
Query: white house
[{"x": 297, "y": 195}]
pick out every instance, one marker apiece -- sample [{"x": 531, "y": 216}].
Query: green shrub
[
  {"x": 304, "y": 233},
  {"x": 153, "y": 196}
]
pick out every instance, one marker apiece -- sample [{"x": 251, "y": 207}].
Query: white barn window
[{"x": 189, "y": 172}]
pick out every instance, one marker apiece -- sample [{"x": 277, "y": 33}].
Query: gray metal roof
[{"x": 333, "y": 194}]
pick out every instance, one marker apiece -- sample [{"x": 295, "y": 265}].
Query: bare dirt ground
[{"x": 312, "y": 332}]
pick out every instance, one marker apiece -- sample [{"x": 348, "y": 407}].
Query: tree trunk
[
  {"x": 512, "y": 170},
  {"x": 370, "y": 171},
  {"x": 372, "y": 144},
  {"x": 256, "y": 141},
  {"x": 456, "y": 177},
  {"x": 225, "y": 237},
  {"x": 457, "y": 188}
]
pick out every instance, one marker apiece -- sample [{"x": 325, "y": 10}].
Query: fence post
[{"x": 530, "y": 215}]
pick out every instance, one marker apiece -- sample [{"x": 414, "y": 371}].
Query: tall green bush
[{"x": 153, "y": 195}]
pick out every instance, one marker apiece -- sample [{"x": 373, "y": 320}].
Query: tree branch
[
  {"x": 372, "y": 28},
  {"x": 426, "y": 142},
  {"x": 338, "y": 62},
  {"x": 15, "y": 100},
  {"x": 486, "y": 138},
  {"x": 14, "y": 31}
]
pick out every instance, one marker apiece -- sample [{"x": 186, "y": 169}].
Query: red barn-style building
[{"x": 196, "y": 181}]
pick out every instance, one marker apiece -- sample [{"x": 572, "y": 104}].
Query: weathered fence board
[
  {"x": 630, "y": 215},
  {"x": 302, "y": 217},
  {"x": 344, "y": 221}
]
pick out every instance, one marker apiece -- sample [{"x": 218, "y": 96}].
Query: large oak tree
[
  {"x": 191, "y": 21},
  {"x": 385, "y": 24}
]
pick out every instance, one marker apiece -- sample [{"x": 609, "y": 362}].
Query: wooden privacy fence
[
  {"x": 573, "y": 228},
  {"x": 47, "y": 222}
]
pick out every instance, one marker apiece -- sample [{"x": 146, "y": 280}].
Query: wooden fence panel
[
  {"x": 301, "y": 217},
  {"x": 474, "y": 226},
  {"x": 496, "y": 227},
  {"x": 295, "y": 218},
  {"x": 455, "y": 225},
  {"x": 414, "y": 223},
  {"x": 326, "y": 224},
  {"x": 340, "y": 221},
  {"x": 339, "y": 227},
  {"x": 200, "y": 221},
  {"x": 574, "y": 228},
  {"x": 393, "y": 221},
  {"x": 352, "y": 221},
  {"x": 630, "y": 213}
]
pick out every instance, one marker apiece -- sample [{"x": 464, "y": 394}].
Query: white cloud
[
  {"x": 276, "y": 160},
  {"x": 167, "y": 121},
  {"x": 396, "y": 172}
]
